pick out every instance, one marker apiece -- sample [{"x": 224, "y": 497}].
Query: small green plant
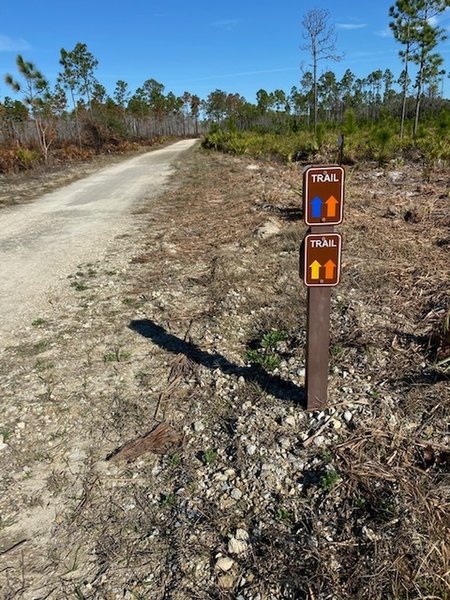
[
  {"x": 382, "y": 138},
  {"x": 174, "y": 460},
  {"x": 326, "y": 455},
  {"x": 38, "y": 322},
  {"x": 128, "y": 301},
  {"x": 5, "y": 434},
  {"x": 40, "y": 346},
  {"x": 271, "y": 339},
  {"x": 360, "y": 502},
  {"x": 266, "y": 355},
  {"x": 43, "y": 365},
  {"x": 285, "y": 515},
  {"x": 116, "y": 356},
  {"x": 210, "y": 456},
  {"x": 337, "y": 349},
  {"x": 80, "y": 286},
  {"x": 329, "y": 480},
  {"x": 168, "y": 500}
]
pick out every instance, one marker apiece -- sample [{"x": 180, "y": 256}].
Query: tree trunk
[
  {"x": 418, "y": 98},
  {"x": 405, "y": 94},
  {"x": 315, "y": 90},
  {"x": 77, "y": 120}
]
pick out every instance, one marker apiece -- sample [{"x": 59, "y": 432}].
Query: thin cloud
[
  {"x": 8, "y": 44},
  {"x": 385, "y": 33},
  {"x": 350, "y": 26}
]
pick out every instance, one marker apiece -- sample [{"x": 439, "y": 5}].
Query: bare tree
[{"x": 320, "y": 41}]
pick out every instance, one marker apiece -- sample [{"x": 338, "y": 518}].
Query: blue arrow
[{"x": 316, "y": 205}]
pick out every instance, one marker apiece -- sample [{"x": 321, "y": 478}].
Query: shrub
[{"x": 27, "y": 158}]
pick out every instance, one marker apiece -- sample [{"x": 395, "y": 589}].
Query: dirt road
[{"x": 43, "y": 242}]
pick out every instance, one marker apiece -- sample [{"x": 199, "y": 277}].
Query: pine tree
[
  {"x": 428, "y": 36},
  {"x": 413, "y": 26},
  {"x": 37, "y": 98}
]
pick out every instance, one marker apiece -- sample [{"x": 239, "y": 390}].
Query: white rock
[
  {"x": 3, "y": 446},
  {"x": 224, "y": 564},
  {"x": 237, "y": 546},
  {"x": 348, "y": 416},
  {"x": 77, "y": 455},
  {"x": 268, "y": 229},
  {"x": 319, "y": 440},
  {"x": 241, "y": 534},
  {"x": 395, "y": 176},
  {"x": 198, "y": 426},
  {"x": 236, "y": 494},
  {"x": 290, "y": 420},
  {"x": 251, "y": 450},
  {"x": 337, "y": 424}
]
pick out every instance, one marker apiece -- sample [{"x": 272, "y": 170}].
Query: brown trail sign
[
  {"x": 322, "y": 259},
  {"x": 323, "y": 195},
  {"x": 320, "y": 266}
]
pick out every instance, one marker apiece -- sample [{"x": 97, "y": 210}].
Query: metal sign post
[{"x": 320, "y": 267}]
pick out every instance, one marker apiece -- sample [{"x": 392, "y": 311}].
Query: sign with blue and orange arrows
[
  {"x": 322, "y": 259},
  {"x": 323, "y": 193}
]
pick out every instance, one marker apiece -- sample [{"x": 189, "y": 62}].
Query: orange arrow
[
  {"x": 331, "y": 205},
  {"x": 330, "y": 268},
  {"x": 315, "y": 269}
]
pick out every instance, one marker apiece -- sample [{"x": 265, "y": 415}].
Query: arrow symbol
[
  {"x": 331, "y": 205},
  {"x": 316, "y": 205},
  {"x": 330, "y": 269},
  {"x": 315, "y": 269}
]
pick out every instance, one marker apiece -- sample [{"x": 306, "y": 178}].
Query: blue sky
[{"x": 197, "y": 46}]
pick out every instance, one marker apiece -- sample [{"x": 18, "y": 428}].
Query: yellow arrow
[
  {"x": 331, "y": 205},
  {"x": 315, "y": 269},
  {"x": 330, "y": 268}
]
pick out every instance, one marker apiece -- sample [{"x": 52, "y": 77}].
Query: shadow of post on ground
[{"x": 272, "y": 384}]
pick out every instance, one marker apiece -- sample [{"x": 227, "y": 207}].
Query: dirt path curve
[{"x": 41, "y": 243}]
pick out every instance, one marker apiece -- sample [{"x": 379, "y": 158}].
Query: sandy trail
[{"x": 41, "y": 243}]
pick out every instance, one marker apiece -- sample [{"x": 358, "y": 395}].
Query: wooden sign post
[{"x": 320, "y": 266}]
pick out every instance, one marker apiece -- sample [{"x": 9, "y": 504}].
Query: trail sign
[
  {"x": 323, "y": 195},
  {"x": 322, "y": 259}
]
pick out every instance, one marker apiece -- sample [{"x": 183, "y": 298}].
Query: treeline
[
  {"x": 379, "y": 95},
  {"x": 79, "y": 112}
]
